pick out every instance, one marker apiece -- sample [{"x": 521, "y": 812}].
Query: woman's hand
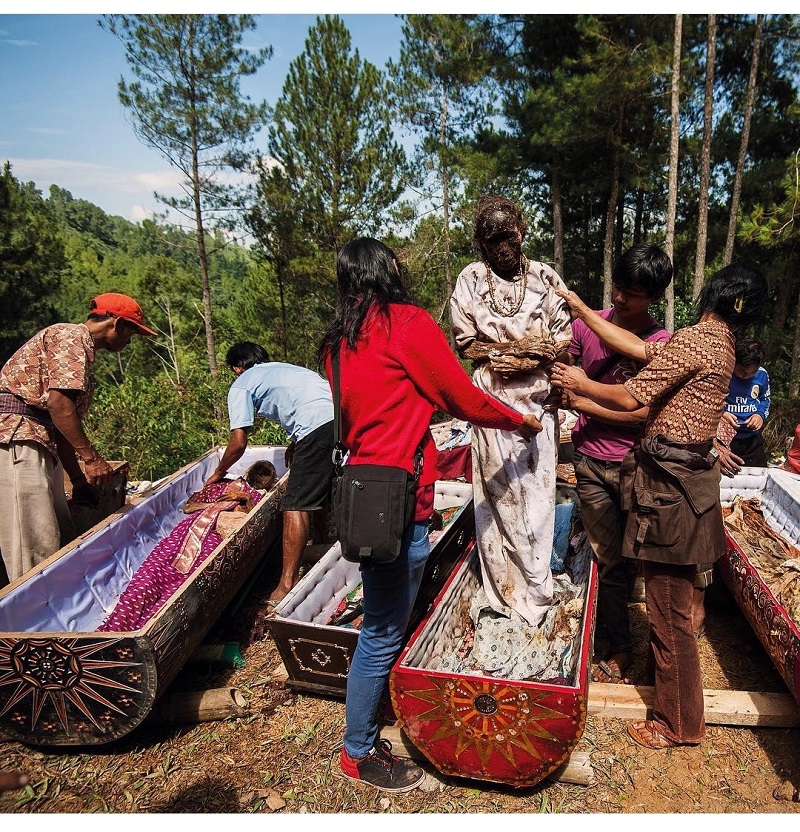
[
  {"x": 572, "y": 379},
  {"x": 577, "y": 308},
  {"x": 530, "y": 426}
]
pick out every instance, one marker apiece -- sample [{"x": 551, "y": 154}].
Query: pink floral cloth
[{"x": 173, "y": 559}]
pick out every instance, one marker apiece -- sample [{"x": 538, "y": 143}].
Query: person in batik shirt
[
  {"x": 45, "y": 391},
  {"x": 675, "y": 517}
]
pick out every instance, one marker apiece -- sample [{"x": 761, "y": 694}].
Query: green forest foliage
[{"x": 555, "y": 96}]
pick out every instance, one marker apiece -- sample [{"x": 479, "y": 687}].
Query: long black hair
[
  {"x": 738, "y": 294},
  {"x": 367, "y": 276}
]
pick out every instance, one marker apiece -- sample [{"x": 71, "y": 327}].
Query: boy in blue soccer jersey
[{"x": 747, "y": 405}]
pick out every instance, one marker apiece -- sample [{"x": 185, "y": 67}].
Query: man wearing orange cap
[{"x": 45, "y": 391}]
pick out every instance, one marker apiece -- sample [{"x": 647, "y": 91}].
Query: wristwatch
[{"x": 713, "y": 454}]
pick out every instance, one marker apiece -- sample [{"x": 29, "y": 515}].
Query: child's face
[{"x": 745, "y": 371}]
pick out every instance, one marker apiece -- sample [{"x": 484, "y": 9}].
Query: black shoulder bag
[{"x": 371, "y": 505}]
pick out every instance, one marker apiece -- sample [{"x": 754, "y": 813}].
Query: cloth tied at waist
[
  {"x": 9, "y": 403},
  {"x": 692, "y": 465},
  {"x": 521, "y": 356}
]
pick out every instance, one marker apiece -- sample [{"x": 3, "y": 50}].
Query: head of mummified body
[
  {"x": 499, "y": 231},
  {"x": 261, "y": 475}
]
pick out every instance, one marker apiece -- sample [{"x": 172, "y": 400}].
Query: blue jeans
[{"x": 390, "y": 590}]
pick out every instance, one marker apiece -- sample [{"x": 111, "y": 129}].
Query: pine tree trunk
[
  {"x": 705, "y": 159},
  {"x": 748, "y": 116},
  {"x": 282, "y": 297},
  {"x": 445, "y": 176},
  {"x": 672, "y": 201},
  {"x": 558, "y": 224},
  {"x": 794, "y": 372},
  {"x": 202, "y": 257},
  {"x": 638, "y": 216},
  {"x": 611, "y": 212}
]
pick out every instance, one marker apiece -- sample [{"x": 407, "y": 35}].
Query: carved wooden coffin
[
  {"x": 778, "y": 493},
  {"x": 316, "y": 651},
  {"x": 63, "y": 682},
  {"x": 485, "y": 726}
]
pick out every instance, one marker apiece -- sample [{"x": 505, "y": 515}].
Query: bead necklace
[{"x": 510, "y": 309}]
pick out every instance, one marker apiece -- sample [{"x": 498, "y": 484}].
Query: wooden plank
[
  {"x": 722, "y": 707},
  {"x": 577, "y": 770}
]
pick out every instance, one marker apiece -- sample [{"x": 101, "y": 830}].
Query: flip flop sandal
[{"x": 648, "y": 735}]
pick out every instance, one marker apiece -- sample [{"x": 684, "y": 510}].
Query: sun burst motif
[
  {"x": 35, "y": 673},
  {"x": 489, "y": 717}
]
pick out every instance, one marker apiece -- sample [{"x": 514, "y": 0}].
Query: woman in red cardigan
[{"x": 396, "y": 369}]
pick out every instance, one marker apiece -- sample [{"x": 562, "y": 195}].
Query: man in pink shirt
[{"x": 601, "y": 439}]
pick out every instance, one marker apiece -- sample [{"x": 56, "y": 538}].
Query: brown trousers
[{"x": 678, "y": 705}]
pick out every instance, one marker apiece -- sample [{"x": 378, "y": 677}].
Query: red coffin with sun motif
[{"x": 474, "y": 725}]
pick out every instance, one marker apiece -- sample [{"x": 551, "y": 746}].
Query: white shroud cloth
[{"x": 514, "y": 480}]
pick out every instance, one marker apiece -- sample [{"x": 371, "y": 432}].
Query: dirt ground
[{"x": 281, "y": 757}]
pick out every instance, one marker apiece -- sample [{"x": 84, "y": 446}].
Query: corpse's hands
[
  {"x": 572, "y": 379},
  {"x": 530, "y": 426}
]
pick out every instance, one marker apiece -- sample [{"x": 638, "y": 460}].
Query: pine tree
[
  {"x": 332, "y": 141},
  {"x": 331, "y": 171},
  {"x": 186, "y": 102},
  {"x": 442, "y": 91}
]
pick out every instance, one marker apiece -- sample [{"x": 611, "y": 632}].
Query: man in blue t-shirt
[
  {"x": 747, "y": 405},
  {"x": 300, "y": 401}
]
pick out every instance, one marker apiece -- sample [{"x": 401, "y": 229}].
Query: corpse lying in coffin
[
  {"x": 485, "y": 697},
  {"x": 761, "y": 567},
  {"x": 92, "y": 637}
]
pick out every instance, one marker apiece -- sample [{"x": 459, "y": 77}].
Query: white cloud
[
  {"x": 22, "y": 44},
  {"x": 139, "y": 213},
  {"x": 126, "y": 193},
  {"x": 47, "y": 131}
]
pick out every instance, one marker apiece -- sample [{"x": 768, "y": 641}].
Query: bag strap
[
  {"x": 615, "y": 357},
  {"x": 339, "y": 451}
]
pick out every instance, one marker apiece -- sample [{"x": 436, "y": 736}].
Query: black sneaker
[{"x": 382, "y": 769}]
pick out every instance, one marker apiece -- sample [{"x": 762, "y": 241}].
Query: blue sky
[{"x": 62, "y": 122}]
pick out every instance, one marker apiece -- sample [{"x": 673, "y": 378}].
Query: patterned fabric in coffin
[{"x": 175, "y": 557}]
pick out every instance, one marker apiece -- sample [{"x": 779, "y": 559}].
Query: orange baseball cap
[{"x": 120, "y": 306}]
